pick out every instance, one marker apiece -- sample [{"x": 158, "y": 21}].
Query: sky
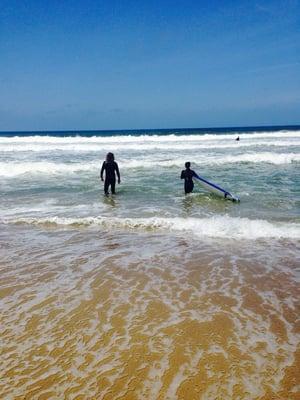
[{"x": 76, "y": 65}]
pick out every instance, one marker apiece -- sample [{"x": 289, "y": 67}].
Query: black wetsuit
[
  {"x": 110, "y": 168},
  {"x": 187, "y": 175}
]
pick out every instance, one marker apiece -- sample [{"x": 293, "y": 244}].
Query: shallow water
[
  {"x": 150, "y": 294},
  {"x": 44, "y": 176},
  {"x": 95, "y": 315}
]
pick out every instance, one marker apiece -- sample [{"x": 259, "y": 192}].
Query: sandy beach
[{"x": 96, "y": 315}]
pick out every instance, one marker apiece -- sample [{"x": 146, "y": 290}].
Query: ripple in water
[{"x": 91, "y": 315}]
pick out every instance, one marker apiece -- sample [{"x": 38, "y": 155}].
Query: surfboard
[{"x": 213, "y": 188}]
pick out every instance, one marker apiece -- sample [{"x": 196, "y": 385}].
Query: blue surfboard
[{"x": 213, "y": 188}]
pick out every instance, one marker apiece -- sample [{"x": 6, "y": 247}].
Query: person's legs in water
[
  {"x": 106, "y": 185},
  {"x": 113, "y": 186},
  {"x": 188, "y": 187}
]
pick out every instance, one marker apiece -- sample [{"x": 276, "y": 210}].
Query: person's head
[
  {"x": 187, "y": 165},
  {"x": 110, "y": 157}
]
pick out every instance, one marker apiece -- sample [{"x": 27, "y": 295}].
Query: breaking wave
[
  {"x": 108, "y": 146},
  {"x": 213, "y": 227},
  {"x": 11, "y": 169},
  {"x": 147, "y": 138}
]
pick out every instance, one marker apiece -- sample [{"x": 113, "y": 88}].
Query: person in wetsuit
[
  {"x": 111, "y": 169},
  {"x": 187, "y": 174}
]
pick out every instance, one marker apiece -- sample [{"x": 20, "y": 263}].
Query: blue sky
[{"x": 148, "y": 64}]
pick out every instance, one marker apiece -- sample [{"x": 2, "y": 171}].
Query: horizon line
[{"x": 152, "y": 129}]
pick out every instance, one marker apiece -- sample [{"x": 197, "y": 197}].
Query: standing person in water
[
  {"x": 187, "y": 174},
  {"x": 111, "y": 168}
]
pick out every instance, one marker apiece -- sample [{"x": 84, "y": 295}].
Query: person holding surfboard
[
  {"x": 187, "y": 174},
  {"x": 111, "y": 169}
]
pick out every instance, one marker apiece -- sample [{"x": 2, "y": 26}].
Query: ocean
[{"x": 150, "y": 293}]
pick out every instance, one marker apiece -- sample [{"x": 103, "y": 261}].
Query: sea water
[{"x": 150, "y": 293}]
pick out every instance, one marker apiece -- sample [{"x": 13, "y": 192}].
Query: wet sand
[{"x": 96, "y": 315}]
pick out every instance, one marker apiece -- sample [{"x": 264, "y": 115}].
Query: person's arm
[
  {"x": 118, "y": 172},
  {"x": 182, "y": 175},
  {"x": 102, "y": 170}
]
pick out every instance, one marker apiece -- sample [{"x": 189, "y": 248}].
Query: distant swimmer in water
[
  {"x": 111, "y": 169},
  {"x": 238, "y": 138},
  {"x": 187, "y": 174}
]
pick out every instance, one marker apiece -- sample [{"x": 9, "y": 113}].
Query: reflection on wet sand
[{"x": 96, "y": 316}]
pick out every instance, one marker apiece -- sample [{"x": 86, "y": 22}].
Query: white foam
[
  {"x": 11, "y": 169},
  {"x": 271, "y": 158},
  {"x": 164, "y": 145},
  {"x": 44, "y": 167},
  {"x": 147, "y": 138},
  {"x": 214, "y": 227}
]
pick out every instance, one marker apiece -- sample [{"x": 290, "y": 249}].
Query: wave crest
[
  {"x": 213, "y": 227},
  {"x": 8, "y": 169},
  {"x": 147, "y": 138}
]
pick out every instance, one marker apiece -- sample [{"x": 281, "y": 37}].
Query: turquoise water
[{"x": 54, "y": 178}]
